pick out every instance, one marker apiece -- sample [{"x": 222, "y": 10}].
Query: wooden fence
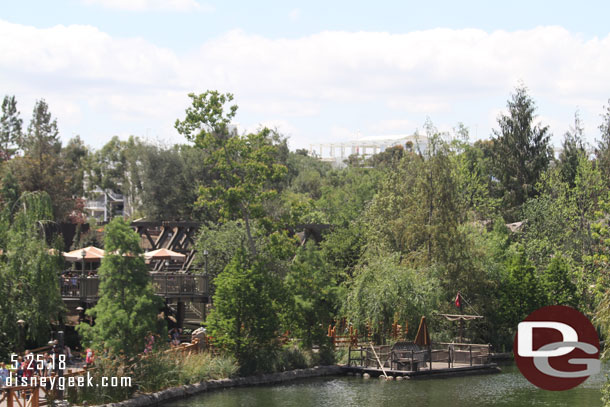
[{"x": 414, "y": 358}]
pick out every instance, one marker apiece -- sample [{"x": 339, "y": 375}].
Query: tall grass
[{"x": 157, "y": 371}]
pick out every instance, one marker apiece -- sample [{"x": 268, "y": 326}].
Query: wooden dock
[
  {"x": 439, "y": 370},
  {"x": 407, "y": 360}
]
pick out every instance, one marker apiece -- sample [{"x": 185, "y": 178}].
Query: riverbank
[{"x": 176, "y": 393}]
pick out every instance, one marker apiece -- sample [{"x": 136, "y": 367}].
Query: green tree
[
  {"x": 244, "y": 320},
  {"x": 127, "y": 309},
  {"x": 573, "y": 149},
  {"x": 41, "y": 168},
  {"x": 167, "y": 192},
  {"x": 558, "y": 284},
  {"x": 521, "y": 152},
  {"x": 29, "y": 273},
  {"x": 10, "y": 127},
  {"x": 384, "y": 291},
  {"x": 522, "y": 291},
  {"x": 602, "y": 150},
  {"x": 314, "y": 292},
  {"x": 246, "y": 168},
  {"x": 74, "y": 157}
]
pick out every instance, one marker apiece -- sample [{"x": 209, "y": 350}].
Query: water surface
[{"x": 507, "y": 389}]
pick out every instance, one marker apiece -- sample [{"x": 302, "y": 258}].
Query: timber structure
[{"x": 408, "y": 360}]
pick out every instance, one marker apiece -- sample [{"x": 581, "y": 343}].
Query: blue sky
[{"x": 318, "y": 71}]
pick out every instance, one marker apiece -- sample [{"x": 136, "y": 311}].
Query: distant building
[
  {"x": 103, "y": 205},
  {"x": 363, "y": 147}
]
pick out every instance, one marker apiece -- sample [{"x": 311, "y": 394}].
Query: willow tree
[
  {"x": 29, "y": 273},
  {"x": 127, "y": 309}
]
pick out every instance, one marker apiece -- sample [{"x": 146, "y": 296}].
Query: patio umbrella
[
  {"x": 423, "y": 336},
  {"x": 164, "y": 254},
  {"x": 92, "y": 255}
]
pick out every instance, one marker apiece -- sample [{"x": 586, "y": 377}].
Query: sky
[{"x": 319, "y": 72}]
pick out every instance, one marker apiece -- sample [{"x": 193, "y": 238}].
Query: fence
[
  {"x": 409, "y": 357},
  {"x": 166, "y": 285}
]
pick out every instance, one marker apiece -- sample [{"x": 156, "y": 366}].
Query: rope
[{"x": 467, "y": 303}]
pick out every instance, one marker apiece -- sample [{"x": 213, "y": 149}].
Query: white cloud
[
  {"x": 322, "y": 87},
  {"x": 294, "y": 14},
  {"x": 393, "y": 126},
  {"x": 148, "y": 5}
]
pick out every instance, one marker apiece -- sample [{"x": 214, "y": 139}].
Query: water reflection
[{"x": 508, "y": 389}]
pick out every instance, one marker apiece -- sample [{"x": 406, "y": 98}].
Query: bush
[{"x": 158, "y": 371}]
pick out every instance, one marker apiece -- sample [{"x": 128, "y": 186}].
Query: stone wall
[{"x": 175, "y": 393}]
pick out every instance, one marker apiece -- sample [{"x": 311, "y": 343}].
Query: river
[{"x": 507, "y": 389}]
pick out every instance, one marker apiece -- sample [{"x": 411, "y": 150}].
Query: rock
[
  {"x": 398, "y": 378},
  {"x": 366, "y": 376}
]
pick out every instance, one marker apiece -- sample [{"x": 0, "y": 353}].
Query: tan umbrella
[
  {"x": 164, "y": 254},
  {"x": 423, "y": 336},
  {"x": 92, "y": 255}
]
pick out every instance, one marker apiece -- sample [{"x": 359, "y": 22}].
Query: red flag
[{"x": 458, "y": 300}]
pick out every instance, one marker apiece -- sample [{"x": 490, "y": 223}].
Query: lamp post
[
  {"x": 21, "y": 324},
  {"x": 207, "y": 279},
  {"x": 81, "y": 314},
  {"x": 83, "y": 253}
]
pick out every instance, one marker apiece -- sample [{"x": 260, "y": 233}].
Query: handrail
[{"x": 172, "y": 284}]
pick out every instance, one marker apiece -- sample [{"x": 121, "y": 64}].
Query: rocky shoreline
[{"x": 176, "y": 393}]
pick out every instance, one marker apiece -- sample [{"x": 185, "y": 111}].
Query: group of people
[
  {"x": 173, "y": 336},
  {"x": 70, "y": 281},
  {"x": 22, "y": 368}
]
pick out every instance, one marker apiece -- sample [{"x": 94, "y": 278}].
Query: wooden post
[
  {"x": 470, "y": 350},
  {"x": 430, "y": 355},
  {"x": 9, "y": 398},
  {"x": 35, "y": 396},
  {"x": 378, "y": 361},
  {"x": 412, "y": 360},
  {"x": 349, "y": 355},
  {"x": 449, "y": 356}
]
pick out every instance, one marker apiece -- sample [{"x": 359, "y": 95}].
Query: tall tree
[
  {"x": 41, "y": 168},
  {"x": 521, "y": 152},
  {"x": 29, "y": 284},
  {"x": 244, "y": 320},
  {"x": 602, "y": 150},
  {"x": 127, "y": 309},
  {"x": 572, "y": 149},
  {"x": 245, "y": 168},
  {"x": 314, "y": 292},
  {"x": 10, "y": 128}
]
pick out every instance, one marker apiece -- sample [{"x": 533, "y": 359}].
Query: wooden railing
[
  {"x": 414, "y": 358},
  {"x": 165, "y": 285}
]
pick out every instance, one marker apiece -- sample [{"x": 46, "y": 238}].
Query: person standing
[{"x": 4, "y": 374}]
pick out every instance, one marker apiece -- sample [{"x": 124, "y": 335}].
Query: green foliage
[
  {"x": 10, "y": 128},
  {"x": 127, "y": 309},
  {"x": 245, "y": 168},
  {"x": 558, "y": 285},
  {"x": 314, "y": 292},
  {"x": 573, "y": 150},
  {"x": 383, "y": 291},
  {"x": 158, "y": 371},
  {"x": 29, "y": 288},
  {"x": 244, "y": 320},
  {"x": 522, "y": 291},
  {"x": 41, "y": 168},
  {"x": 602, "y": 150},
  {"x": 521, "y": 152}
]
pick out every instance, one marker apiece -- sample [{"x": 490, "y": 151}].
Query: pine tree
[
  {"x": 521, "y": 152},
  {"x": 10, "y": 128},
  {"x": 127, "y": 309}
]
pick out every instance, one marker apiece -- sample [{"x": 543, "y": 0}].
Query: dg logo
[{"x": 556, "y": 348}]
